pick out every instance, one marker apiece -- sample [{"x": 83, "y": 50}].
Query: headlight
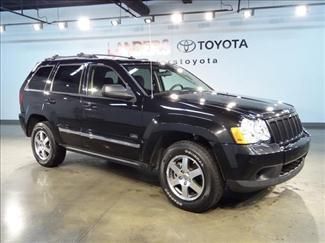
[{"x": 251, "y": 131}]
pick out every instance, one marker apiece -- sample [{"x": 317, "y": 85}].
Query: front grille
[{"x": 285, "y": 129}]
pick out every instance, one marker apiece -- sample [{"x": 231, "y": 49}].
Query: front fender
[
  {"x": 207, "y": 129},
  {"x": 210, "y": 131}
]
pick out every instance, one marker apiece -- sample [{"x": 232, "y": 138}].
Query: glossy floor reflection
[{"x": 93, "y": 200}]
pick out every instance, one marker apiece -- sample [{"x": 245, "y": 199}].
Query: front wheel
[
  {"x": 190, "y": 177},
  {"x": 45, "y": 149}
]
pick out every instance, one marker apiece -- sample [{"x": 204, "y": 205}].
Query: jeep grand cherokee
[{"x": 162, "y": 117}]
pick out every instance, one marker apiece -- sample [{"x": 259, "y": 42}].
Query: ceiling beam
[
  {"x": 39, "y": 4},
  {"x": 24, "y": 15},
  {"x": 137, "y": 6}
]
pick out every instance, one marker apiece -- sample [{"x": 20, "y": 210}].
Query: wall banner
[{"x": 179, "y": 52}]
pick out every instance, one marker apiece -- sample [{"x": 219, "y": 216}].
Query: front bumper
[{"x": 249, "y": 168}]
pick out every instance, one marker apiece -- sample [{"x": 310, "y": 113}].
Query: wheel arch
[
  {"x": 167, "y": 134},
  {"x": 33, "y": 119}
]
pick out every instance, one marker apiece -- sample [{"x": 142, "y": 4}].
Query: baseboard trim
[
  {"x": 9, "y": 122},
  {"x": 308, "y": 125},
  {"x": 314, "y": 125}
]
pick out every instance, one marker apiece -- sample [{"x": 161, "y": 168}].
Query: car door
[
  {"x": 113, "y": 125},
  {"x": 63, "y": 103}
]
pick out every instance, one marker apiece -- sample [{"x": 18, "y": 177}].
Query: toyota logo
[{"x": 186, "y": 46}]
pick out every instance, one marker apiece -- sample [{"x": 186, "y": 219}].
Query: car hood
[{"x": 241, "y": 104}]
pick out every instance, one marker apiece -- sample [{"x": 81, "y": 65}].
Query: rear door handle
[
  {"x": 50, "y": 100},
  {"x": 89, "y": 105}
]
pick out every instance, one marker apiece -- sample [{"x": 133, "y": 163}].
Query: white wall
[{"x": 285, "y": 58}]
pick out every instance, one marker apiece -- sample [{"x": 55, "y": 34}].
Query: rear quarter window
[
  {"x": 40, "y": 77},
  {"x": 67, "y": 79}
]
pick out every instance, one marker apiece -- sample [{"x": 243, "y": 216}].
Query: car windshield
[{"x": 165, "y": 78}]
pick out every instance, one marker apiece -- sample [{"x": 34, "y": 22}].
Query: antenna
[{"x": 151, "y": 74}]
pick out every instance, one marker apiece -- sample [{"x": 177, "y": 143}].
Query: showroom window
[
  {"x": 67, "y": 79},
  {"x": 38, "y": 81},
  {"x": 101, "y": 75}
]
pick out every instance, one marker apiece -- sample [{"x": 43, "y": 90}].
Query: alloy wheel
[
  {"x": 42, "y": 145},
  {"x": 185, "y": 177}
]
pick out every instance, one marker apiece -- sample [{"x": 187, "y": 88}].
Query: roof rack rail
[
  {"x": 81, "y": 54},
  {"x": 118, "y": 56},
  {"x": 55, "y": 57}
]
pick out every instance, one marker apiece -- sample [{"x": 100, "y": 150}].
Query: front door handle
[{"x": 50, "y": 100}]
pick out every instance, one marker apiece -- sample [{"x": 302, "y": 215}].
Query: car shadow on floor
[{"x": 229, "y": 199}]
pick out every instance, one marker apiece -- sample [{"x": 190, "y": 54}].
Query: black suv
[{"x": 162, "y": 117}]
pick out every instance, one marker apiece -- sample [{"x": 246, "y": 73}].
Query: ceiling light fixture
[
  {"x": 248, "y": 13},
  {"x": 209, "y": 16},
  {"x": 149, "y": 20},
  {"x": 38, "y": 26},
  {"x": 301, "y": 10},
  {"x": 177, "y": 18},
  {"x": 63, "y": 25},
  {"x": 2, "y": 28},
  {"x": 115, "y": 22},
  {"x": 84, "y": 23}
]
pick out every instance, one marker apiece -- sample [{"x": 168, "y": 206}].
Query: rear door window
[
  {"x": 40, "y": 78},
  {"x": 67, "y": 79}
]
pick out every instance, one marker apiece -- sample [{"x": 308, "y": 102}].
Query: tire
[
  {"x": 45, "y": 149},
  {"x": 201, "y": 174}
]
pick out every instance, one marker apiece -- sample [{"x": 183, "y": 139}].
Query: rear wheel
[
  {"x": 45, "y": 149},
  {"x": 190, "y": 177}
]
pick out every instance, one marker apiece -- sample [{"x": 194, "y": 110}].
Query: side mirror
[{"x": 117, "y": 91}]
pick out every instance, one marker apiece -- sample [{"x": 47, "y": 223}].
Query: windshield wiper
[{"x": 188, "y": 88}]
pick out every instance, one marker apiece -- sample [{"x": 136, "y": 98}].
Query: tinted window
[
  {"x": 67, "y": 79},
  {"x": 99, "y": 76},
  {"x": 38, "y": 81},
  {"x": 141, "y": 74},
  {"x": 176, "y": 80},
  {"x": 165, "y": 78}
]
